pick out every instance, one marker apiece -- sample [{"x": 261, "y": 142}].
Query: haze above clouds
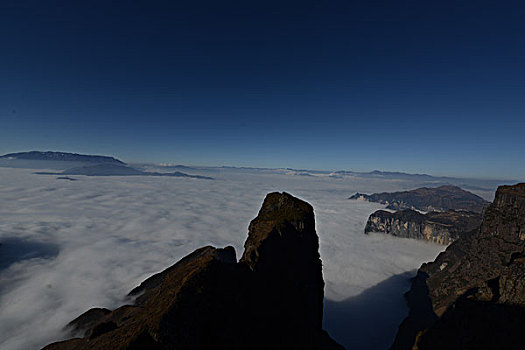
[{"x": 81, "y": 244}]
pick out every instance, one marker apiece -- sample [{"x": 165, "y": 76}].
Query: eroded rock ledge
[
  {"x": 271, "y": 299},
  {"x": 436, "y": 227}
]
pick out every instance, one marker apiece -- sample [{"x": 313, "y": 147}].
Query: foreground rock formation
[
  {"x": 271, "y": 299},
  {"x": 441, "y": 198},
  {"x": 435, "y": 227},
  {"x": 473, "y": 295}
]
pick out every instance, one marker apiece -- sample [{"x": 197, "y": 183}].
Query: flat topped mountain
[
  {"x": 441, "y": 198},
  {"x": 271, "y": 299},
  {"x": 62, "y": 156},
  {"x": 436, "y": 227},
  {"x": 473, "y": 295},
  {"x": 117, "y": 170}
]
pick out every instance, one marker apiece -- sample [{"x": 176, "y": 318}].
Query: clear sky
[{"x": 415, "y": 86}]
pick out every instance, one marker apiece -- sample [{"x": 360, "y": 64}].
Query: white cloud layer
[{"x": 87, "y": 243}]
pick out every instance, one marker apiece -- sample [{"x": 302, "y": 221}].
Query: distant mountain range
[
  {"x": 62, "y": 156},
  {"x": 88, "y": 165},
  {"x": 440, "y": 198},
  {"x": 116, "y": 170},
  {"x": 378, "y": 173},
  {"x": 451, "y": 211},
  {"x": 68, "y": 161}
]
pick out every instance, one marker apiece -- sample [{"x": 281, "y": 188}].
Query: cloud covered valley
[{"x": 68, "y": 246}]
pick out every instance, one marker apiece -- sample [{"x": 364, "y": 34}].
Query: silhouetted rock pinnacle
[
  {"x": 282, "y": 251},
  {"x": 271, "y": 299}
]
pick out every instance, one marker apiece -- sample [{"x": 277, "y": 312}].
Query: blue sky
[{"x": 434, "y": 86}]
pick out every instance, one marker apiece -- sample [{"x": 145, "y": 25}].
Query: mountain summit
[{"x": 271, "y": 299}]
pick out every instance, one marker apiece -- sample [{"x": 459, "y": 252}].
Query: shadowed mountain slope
[{"x": 473, "y": 295}]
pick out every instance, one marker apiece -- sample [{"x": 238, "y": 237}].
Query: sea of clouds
[{"x": 68, "y": 246}]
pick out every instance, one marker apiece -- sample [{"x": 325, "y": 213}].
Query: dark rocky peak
[
  {"x": 283, "y": 221},
  {"x": 187, "y": 306},
  {"x": 510, "y": 199},
  {"x": 271, "y": 299},
  {"x": 510, "y": 194},
  {"x": 197, "y": 259},
  {"x": 282, "y": 250},
  {"x": 475, "y": 286},
  {"x": 506, "y": 216}
]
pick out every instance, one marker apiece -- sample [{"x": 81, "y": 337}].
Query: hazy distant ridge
[
  {"x": 62, "y": 156},
  {"x": 90, "y": 165},
  {"x": 440, "y": 198},
  {"x": 117, "y": 170}
]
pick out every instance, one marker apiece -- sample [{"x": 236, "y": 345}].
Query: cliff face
[
  {"x": 473, "y": 294},
  {"x": 271, "y": 298},
  {"x": 282, "y": 251},
  {"x": 441, "y": 198},
  {"x": 436, "y": 227}
]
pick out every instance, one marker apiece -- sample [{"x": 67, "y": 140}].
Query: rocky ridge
[
  {"x": 436, "y": 227},
  {"x": 271, "y": 298},
  {"x": 473, "y": 295},
  {"x": 441, "y": 198}
]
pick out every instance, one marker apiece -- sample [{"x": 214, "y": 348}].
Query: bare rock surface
[
  {"x": 436, "y": 227},
  {"x": 473, "y": 295}
]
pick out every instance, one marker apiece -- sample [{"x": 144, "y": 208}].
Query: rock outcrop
[
  {"x": 441, "y": 198},
  {"x": 473, "y": 295},
  {"x": 435, "y": 227},
  {"x": 271, "y": 299}
]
